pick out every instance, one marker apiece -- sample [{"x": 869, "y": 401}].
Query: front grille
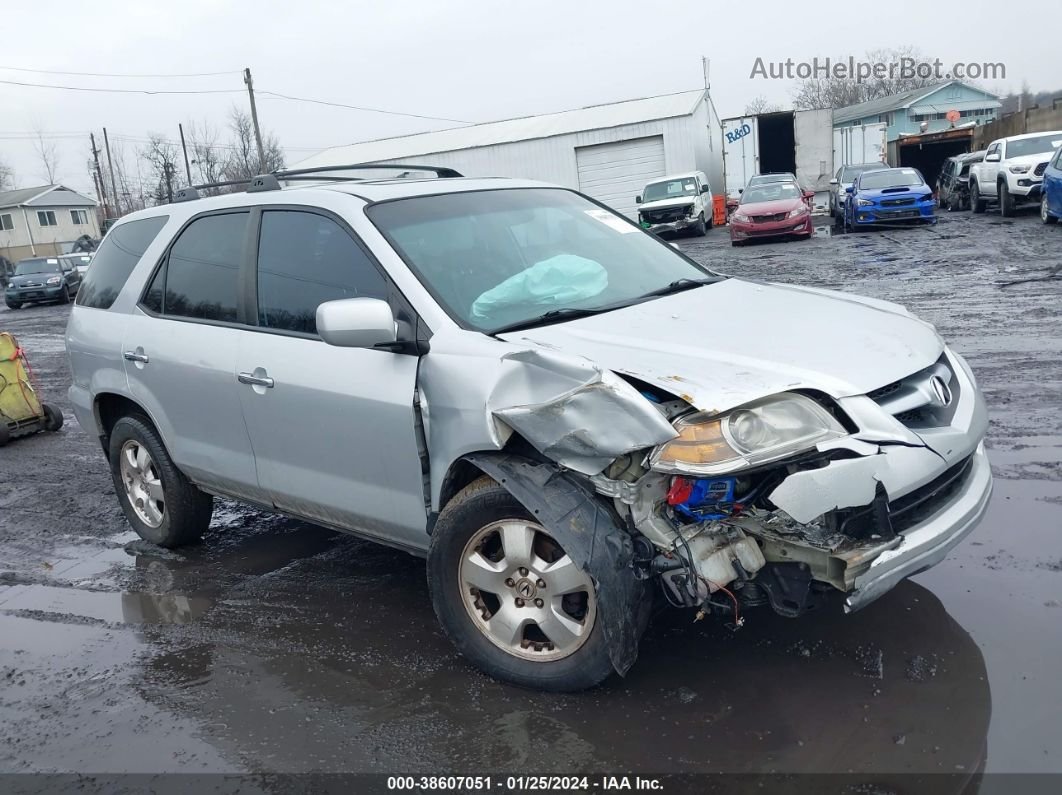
[
  {"x": 666, "y": 215},
  {"x": 763, "y": 219},
  {"x": 896, "y": 202},
  {"x": 1040, "y": 169},
  {"x": 915, "y": 401}
]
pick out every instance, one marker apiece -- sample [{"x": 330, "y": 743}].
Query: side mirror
[
  {"x": 706, "y": 188},
  {"x": 833, "y": 182},
  {"x": 356, "y": 323},
  {"x": 637, "y": 199},
  {"x": 849, "y": 189},
  {"x": 740, "y": 191},
  {"x": 809, "y": 194},
  {"x": 992, "y": 158}
]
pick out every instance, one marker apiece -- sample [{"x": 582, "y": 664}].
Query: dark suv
[{"x": 41, "y": 279}]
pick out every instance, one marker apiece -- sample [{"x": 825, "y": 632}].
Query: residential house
[
  {"x": 44, "y": 220},
  {"x": 906, "y": 112}
]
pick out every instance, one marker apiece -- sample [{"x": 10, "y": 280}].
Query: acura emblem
[{"x": 941, "y": 390}]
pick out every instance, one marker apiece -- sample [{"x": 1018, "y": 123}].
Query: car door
[
  {"x": 1053, "y": 184},
  {"x": 180, "y": 354},
  {"x": 333, "y": 428},
  {"x": 989, "y": 169}
]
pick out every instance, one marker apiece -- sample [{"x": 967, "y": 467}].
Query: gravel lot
[{"x": 277, "y": 646}]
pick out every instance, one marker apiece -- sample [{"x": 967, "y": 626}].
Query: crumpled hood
[{"x": 728, "y": 343}]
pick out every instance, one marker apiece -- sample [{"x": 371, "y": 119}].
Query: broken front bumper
[{"x": 926, "y": 544}]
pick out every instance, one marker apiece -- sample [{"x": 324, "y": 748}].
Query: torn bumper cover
[{"x": 927, "y": 543}]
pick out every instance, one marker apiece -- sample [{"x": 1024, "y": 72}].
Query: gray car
[{"x": 566, "y": 416}]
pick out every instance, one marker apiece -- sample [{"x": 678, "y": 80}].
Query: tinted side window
[
  {"x": 114, "y": 261},
  {"x": 306, "y": 259},
  {"x": 202, "y": 269}
]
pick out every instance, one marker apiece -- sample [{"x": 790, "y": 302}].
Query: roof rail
[
  {"x": 268, "y": 182},
  {"x": 440, "y": 171}
]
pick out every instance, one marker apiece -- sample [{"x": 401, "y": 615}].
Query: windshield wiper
[
  {"x": 680, "y": 285},
  {"x": 553, "y": 316}
]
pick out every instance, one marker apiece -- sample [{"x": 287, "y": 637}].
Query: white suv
[
  {"x": 1012, "y": 171},
  {"x": 566, "y": 416}
]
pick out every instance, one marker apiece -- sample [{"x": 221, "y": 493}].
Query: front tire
[
  {"x": 1045, "y": 212},
  {"x": 161, "y": 504},
  {"x": 65, "y": 297},
  {"x": 509, "y": 597},
  {"x": 13, "y": 304},
  {"x": 977, "y": 204},
  {"x": 1006, "y": 201},
  {"x": 701, "y": 229}
]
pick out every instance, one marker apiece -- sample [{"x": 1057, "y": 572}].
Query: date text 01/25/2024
[{"x": 521, "y": 783}]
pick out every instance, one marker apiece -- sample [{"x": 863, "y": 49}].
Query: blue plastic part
[{"x": 708, "y": 497}]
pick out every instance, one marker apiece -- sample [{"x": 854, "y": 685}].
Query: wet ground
[{"x": 279, "y": 647}]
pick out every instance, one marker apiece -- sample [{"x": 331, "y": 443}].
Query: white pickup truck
[{"x": 1012, "y": 171}]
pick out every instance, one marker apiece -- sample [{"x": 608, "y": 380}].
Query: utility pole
[
  {"x": 187, "y": 168},
  {"x": 254, "y": 119},
  {"x": 99, "y": 174},
  {"x": 110, "y": 165}
]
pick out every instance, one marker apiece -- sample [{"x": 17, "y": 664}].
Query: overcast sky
[{"x": 471, "y": 60}]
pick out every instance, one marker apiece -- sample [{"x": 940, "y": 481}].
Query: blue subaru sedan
[
  {"x": 1051, "y": 197},
  {"x": 887, "y": 196}
]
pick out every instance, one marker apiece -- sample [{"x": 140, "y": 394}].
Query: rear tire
[
  {"x": 465, "y": 533},
  {"x": 977, "y": 204},
  {"x": 53, "y": 418},
  {"x": 1045, "y": 213},
  {"x": 1006, "y": 201},
  {"x": 161, "y": 504}
]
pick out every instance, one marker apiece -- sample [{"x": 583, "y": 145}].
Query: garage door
[{"x": 616, "y": 173}]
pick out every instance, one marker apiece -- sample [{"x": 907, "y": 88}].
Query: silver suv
[{"x": 565, "y": 415}]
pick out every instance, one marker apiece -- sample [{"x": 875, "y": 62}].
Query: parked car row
[{"x": 1012, "y": 173}]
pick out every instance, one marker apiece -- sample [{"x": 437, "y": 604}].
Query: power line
[
  {"x": 109, "y": 74},
  {"x": 124, "y": 90},
  {"x": 361, "y": 108}
]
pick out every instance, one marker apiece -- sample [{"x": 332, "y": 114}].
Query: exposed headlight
[
  {"x": 1019, "y": 169},
  {"x": 54, "y": 279},
  {"x": 802, "y": 210},
  {"x": 741, "y": 218},
  {"x": 757, "y": 433},
  {"x": 689, "y": 211},
  {"x": 863, "y": 202}
]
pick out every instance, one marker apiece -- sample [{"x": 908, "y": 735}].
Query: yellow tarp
[{"x": 18, "y": 400}]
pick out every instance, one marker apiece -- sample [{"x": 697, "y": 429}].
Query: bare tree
[
  {"x": 48, "y": 153},
  {"x": 161, "y": 157},
  {"x": 761, "y": 105},
  {"x": 243, "y": 162},
  {"x": 208, "y": 158},
  {"x": 7, "y": 176},
  {"x": 830, "y": 92}
]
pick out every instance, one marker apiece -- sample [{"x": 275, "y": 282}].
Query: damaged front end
[{"x": 793, "y": 497}]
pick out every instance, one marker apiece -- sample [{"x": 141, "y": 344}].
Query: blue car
[
  {"x": 1051, "y": 197},
  {"x": 887, "y": 196}
]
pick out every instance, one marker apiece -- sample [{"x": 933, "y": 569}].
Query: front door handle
[
  {"x": 255, "y": 380},
  {"x": 136, "y": 356}
]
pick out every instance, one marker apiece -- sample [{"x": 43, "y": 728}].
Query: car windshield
[
  {"x": 849, "y": 173},
  {"x": 1039, "y": 145},
  {"x": 670, "y": 189},
  {"x": 893, "y": 178},
  {"x": 38, "y": 265},
  {"x": 770, "y": 192},
  {"x": 498, "y": 258}
]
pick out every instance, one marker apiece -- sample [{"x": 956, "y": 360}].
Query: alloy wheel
[
  {"x": 524, "y": 593},
  {"x": 143, "y": 488}
]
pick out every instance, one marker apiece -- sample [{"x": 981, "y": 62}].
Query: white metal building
[{"x": 608, "y": 152}]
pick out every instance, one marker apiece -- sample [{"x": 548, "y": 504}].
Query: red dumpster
[{"x": 718, "y": 210}]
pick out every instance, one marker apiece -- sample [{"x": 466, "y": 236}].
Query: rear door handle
[
  {"x": 255, "y": 380},
  {"x": 133, "y": 356}
]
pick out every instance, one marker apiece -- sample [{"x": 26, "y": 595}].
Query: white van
[{"x": 677, "y": 203}]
